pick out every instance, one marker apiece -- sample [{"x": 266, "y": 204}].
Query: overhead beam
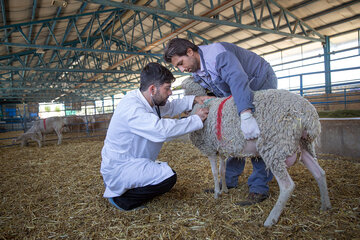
[
  {"x": 199, "y": 18},
  {"x": 317, "y": 28},
  {"x": 58, "y": 18},
  {"x": 174, "y": 33},
  {"x": 312, "y": 16},
  {"x": 11, "y": 68},
  {"x": 37, "y": 46}
]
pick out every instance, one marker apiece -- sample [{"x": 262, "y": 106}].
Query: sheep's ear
[
  {"x": 192, "y": 88},
  {"x": 187, "y": 81}
]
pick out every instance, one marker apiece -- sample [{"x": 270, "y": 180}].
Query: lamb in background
[
  {"x": 288, "y": 124},
  {"x": 43, "y": 126},
  {"x": 27, "y": 136},
  {"x": 49, "y": 125}
]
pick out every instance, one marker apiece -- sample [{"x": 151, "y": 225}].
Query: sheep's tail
[{"x": 311, "y": 130}]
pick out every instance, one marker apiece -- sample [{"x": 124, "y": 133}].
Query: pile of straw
[{"x": 55, "y": 192}]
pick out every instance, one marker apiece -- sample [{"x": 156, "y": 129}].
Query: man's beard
[{"x": 158, "y": 101}]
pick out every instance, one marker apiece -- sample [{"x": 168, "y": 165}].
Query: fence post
[
  {"x": 326, "y": 47},
  {"x": 86, "y": 120},
  {"x": 301, "y": 85},
  {"x": 85, "y": 108},
  {"x": 103, "y": 107},
  {"x": 112, "y": 98},
  {"x": 24, "y": 120},
  {"x": 345, "y": 98}
]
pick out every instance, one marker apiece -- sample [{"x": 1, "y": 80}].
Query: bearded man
[{"x": 136, "y": 134}]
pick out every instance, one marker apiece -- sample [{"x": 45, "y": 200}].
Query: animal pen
[{"x": 77, "y": 59}]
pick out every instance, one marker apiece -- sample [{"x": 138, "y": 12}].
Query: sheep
[
  {"x": 48, "y": 125},
  {"x": 289, "y": 127},
  {"x": 75, "y": 123},
  {"x": 27, "y": 136}
]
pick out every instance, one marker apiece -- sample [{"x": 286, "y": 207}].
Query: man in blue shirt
[{"x": 226, "y": 69}]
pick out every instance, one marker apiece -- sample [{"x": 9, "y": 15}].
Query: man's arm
[
  {"x": 233, "y": 74},
  {"x": 148, "y": 125},
  {"x": 177, "y": 106}
]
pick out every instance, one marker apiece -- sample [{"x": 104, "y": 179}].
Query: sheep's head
[
  {"x": 18, "y": 139},
  {"x": 192, "y": 88}
]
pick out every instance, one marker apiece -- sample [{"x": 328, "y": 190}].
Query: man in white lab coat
[{"x": 136, "y": 134}]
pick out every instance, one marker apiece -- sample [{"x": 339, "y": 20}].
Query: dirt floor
[{"x": 55, "y": 192}]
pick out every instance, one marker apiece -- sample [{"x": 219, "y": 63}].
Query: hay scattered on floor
[{"x": 56, "y": 193}]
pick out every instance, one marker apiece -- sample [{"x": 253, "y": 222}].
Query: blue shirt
[{"x": 227, "y": 69}]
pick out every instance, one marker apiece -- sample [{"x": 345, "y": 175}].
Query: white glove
[{"x": 249, "y": 126}]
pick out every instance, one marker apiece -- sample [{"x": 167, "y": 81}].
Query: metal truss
[{"x": 105, "y": 55}]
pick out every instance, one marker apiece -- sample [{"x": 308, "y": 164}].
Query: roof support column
[
  {"x": 103, "y": 106},
  {"x": 113, "y": 108},
  {"x": 359, "y": 39},
  {"x": 326, "y": 47}
]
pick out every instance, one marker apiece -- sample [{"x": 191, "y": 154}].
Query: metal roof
[{"x": 68, "y": 50}]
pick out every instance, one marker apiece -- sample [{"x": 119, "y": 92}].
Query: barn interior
[{"x": 78, "y": 58}]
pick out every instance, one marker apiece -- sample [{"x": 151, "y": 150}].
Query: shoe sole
[{"x": 112, "y": 202}]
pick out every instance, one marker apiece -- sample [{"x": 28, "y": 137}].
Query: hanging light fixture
[{"x": 59, "y": 3}]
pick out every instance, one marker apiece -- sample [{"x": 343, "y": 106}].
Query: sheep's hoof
[
  {"x": 269, "y": 222},
  {"x": 325, "y": 207}
]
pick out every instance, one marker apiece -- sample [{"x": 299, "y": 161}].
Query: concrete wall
[{"x": 340, "y": 136}]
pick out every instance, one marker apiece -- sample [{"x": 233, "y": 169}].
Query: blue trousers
[{"x": 259, "y": 179}]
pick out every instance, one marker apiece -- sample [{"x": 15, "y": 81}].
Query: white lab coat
[{"x": 134, "y": 139}]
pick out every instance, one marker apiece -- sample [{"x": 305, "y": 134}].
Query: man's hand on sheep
[
  {"x": 201, "y": 99},
  {"x": 202, "y": 113},
  {"x": 249, "y": 126}
]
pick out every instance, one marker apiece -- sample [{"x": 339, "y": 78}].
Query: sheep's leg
[
  {"x": 23, "y": 142},
  {"x": 319, "y": 175},
  {"x": 37, "y": 140},
  {"x": 215, "y": 173},
  {"x": 42, "y": 136},
  {"x": 286, "y": 186},
  {"x": 222, "y": 170},
  {"x": 58, "y": 132}
]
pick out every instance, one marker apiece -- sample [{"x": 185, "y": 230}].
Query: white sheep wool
[
  {"x": 288, "y": 124},
  {"x": 282, "y": 117}
]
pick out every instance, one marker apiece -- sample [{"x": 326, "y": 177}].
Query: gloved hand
[{"x": 249, "y": 126}]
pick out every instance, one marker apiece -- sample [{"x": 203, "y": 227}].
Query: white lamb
[
  {"x": 27, "y": 136},
  {"x": 289, "y": 125}
]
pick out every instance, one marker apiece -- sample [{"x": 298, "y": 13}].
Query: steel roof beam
[
  {"x": 183, "y": 28},
  {"x": 344, "y": 5},
  {"x": 4, "y": 21},
  {"x": 270, "y": 17},
  {"x": 317, "y": 28},
  {"x": 58, "y": 18},
  {"x": 51, "y": 47},
  {"x": 202, "y": 19},
  {"x": 31, "y": 26}
]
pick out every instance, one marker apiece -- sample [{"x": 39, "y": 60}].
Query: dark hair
[
  {"x": 154, "y": 74},
  {"x": 178, "y": 47}
]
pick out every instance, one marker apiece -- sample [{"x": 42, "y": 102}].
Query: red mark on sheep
[{"x": 218, "y": 120}]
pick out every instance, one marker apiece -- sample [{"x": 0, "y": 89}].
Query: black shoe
[{"x": 253, "y": 198}]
